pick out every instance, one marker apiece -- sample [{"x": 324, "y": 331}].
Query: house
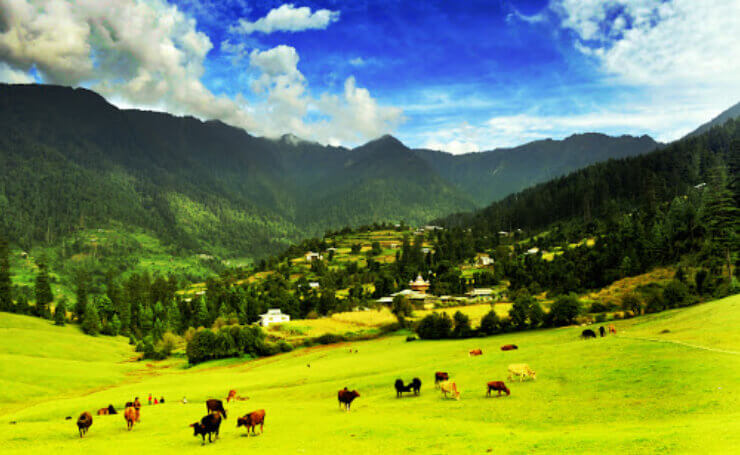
[
  {"x": 534, "y": 250},
  {"x": 273, "y": 316},
  {"x": 483, "y": 260},
  {"x": 385, "y": 300},
  {"x": 480, "y": 292},
  {"x": 311, "y": 256},
  {"x": 419, "y": 284},
  {"x": 433, "y": 228},
  {"x": 313, "y": 284}
]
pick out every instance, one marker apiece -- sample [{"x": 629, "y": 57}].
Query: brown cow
[
  {"x": 130, "y": 415},
  {"x": 251, "y": 420},
  {"x": 509, "y": 347},
  {"x": 346, "y": 397},
  {"x": 449, "y": 387},
  {"x": 612, "y": 329},
  {"x": 207, "y": 425},
  {"x": 214, "y": 405},
  {"x": 440, "y": 376},
  {"x": 498, "y": 385},
  {"x": 84, "y": 422},
  {"x": 103, "y": 411},
  {"x": 232, "y": 395},
  {"x": 475, "y": 352}
]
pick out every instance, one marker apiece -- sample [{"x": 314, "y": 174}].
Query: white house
[
  {"x": 314, "y": 284},
  {"x": 480, "y": 292},
  {"x": 273, "y": 316},
  {"x": 483, "y": 260},
  {"x": 311, "y": 256},
  {"x": 534, "y": 250}
]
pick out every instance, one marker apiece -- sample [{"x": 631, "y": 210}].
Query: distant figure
[
  {"x": 137, "y": 406},
  {"x": 84, "y": 422},
  {"x": 346, "y": 397},
  {"x": 214, "y": 405},
  {"x": 498, "y": 385},
  {"x": 588, "y": 333},
  {"x": 111, "y": 409},
  {"x": 156, "y": 401},
  {"x": 231, "y": 395},
  {"x": 208, "y": 424},
  {"x": 612, "y": 329},
  {"x": 308, "y": 365},
  {"x": 251, "y": 420},
  {"x": 161, "y": 400},
  {"x": 509, "y": 347},
  {"x": 150, "y": 399},
  {"x": 184, "y": 400},
  {"x": 602, "y": 331}
]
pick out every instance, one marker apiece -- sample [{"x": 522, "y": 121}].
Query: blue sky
[{"x": 456, "y": 76}]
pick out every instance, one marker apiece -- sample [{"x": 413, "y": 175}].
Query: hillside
[
  {"x": 728, "y": 114},
  {"x": 630, "y": 393},
  {"x": 69, "y": 160}
]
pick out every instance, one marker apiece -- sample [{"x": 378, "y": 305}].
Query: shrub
[
  {"x": 675, "y": 294},
  {"x": 490, "y": 324},
  {"x": 168, "y": 343},
  {"x": 632, "y": 303},
  {"x": 564, "y": 311},
  {"x": 284, "y": 346},
  {"x": 329, "y": 338},
  {"x": 462, "y": 325},
  {"x": 434, "y": 327},
  {"x": 411, "y": 338},
  {"x": 91, "y": 321},
  {"x": 601, "y": 317}
]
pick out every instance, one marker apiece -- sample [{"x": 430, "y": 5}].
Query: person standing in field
[
  {"x": 156, "y": 401},
  {"x": 150, "y": 399}
]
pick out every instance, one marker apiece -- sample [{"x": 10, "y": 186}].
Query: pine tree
[
  {"x": 81, "y": 280},
  {"x": 202, "y": 317},
  {"x": 6, "y": 288},
  {"x": 42, "y": 289},
  {"x": 721, "y": 216},
  {"x": 60, "y": 312},
  {"x": 91, "y": 320}
]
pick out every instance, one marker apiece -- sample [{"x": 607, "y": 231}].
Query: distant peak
[
  {"x": 387, "y": 139},
  {"x": 292, "y": 139}
]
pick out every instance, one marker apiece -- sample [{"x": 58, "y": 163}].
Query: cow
[
  {"x": 208, "y": 424},
  {"x": 232, "y": 395},
  {"x": 602, "y": 331},
  {"x": 449, "y": 387},
  {"x": 346, "y": 397},
  {"x": 509, "y": 347},
  {"x": 84, "y": 422},
  {"x": 498, "y": 385},
  {"x": 612, "y": 329},
  {"x": 475, "y": 352},
  {"x": 130, "y": 415},
  {"x": 214, "y": 405},
  {"x": 103, "y": 411},
  {"x": 440, "y": 376},
  {"x": 414, "y": 385},
  {"x": 521, "y": 370},
  {"x": 588, "y": 333},
  {"x": 251, "y": 420},
  {"x": 111, "y": 409}
]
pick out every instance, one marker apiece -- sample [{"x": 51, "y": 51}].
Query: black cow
[
  {"x": 208, "y": 425},
  {"x": 84, "y": 422},
  {"x": 602, "y": 331},
  {"x": 588, "y": 333}
]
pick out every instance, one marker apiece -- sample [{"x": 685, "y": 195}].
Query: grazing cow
[
  {"x": 400, "y": 388},
  {"x": 251, "y": 420},
  {"x": 232, "y": 395},
  {"x": 130, "y": 415},
  {"x": 612, "y": 329},
  {"x": 111, "y": 409},
  {"x": 346, "y": 397},
  {"x": 214, "y": 405},
  {"x": 498, "y": 385},
  {"x": 521, "y": 370},
  {"x": 440, "y": 376},
  {"x": 475, "y": 352},
  {"x": 509, "y": 347},
  {"x": 588, "y": 333},
  {"x": 208, "y": 425},
  {"x": 449, "y": 387},
  {"x": 84, "y": 422},
  {"x": 416, "y": 385},
  {"x": 103, "y": 411},
  {"x": 602, "y": 331}
]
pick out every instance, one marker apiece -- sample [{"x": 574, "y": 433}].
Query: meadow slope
[{"x": 622, "y": 394}]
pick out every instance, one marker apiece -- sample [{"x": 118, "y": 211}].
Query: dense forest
[{"x": 70, "y": 161}]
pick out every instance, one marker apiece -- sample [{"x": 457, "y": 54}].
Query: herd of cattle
[{"x": 210, "y": 424}]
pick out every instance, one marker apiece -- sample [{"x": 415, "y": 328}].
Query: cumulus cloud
[
  {"x": 149, "y": 54},
  {"x": 288, "y": 18}
]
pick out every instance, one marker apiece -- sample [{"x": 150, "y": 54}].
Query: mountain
[
  {"x": 489, "y": 176},
  {"x": 731, "y": 113},
  {"x": 69, "y": 160}
]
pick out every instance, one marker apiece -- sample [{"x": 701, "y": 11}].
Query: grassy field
[{"x": 624, "y": 394}]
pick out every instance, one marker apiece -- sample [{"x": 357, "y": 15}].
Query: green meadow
[{"x": 667, "y": 383}]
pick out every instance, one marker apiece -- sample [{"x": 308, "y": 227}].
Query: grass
[{"x": 618, "y": 394}]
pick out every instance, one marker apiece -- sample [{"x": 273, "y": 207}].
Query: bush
[
  {"x": 284, "y": 346},
  {"x": 601, "y": 317},
  {"x": 91, "y": 321},
  {"x": 330, "y": 338},
  {"x": 411, "y": 338},
  {"x": 675, "y": 294},
  {"x": 462, "y": 325},
  {"x": 632, "y": 303},
  {"x": 490, "y": 324},
  {"x": 168, "y": 343},
  {"x": 564, "y": 311},
  {"x": 434, "y": 327}
]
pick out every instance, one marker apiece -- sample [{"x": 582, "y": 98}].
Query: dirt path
[{"x": 681, "y": 343}]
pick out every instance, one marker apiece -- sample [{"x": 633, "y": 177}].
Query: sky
[{"x": 458, "y": 76}]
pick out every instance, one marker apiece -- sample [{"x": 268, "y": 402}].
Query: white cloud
[
  {"x": 357, "y": 61},
  {"x": 149, "y": 54},
  {"x": 288, "y": 18},
  {"x": 454, "y": 147}
]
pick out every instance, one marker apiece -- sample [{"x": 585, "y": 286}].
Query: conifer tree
[
  {"x": 6, "y": 298},
  {"x": 91, "y": 320},
  {"x": 721, "y": 216},
  {"x": 44, "y": 295},
  {"x": 60, "y": 312}
]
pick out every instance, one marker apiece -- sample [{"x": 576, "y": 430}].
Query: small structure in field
[
  {"x": 480, "y": 292},
  {"x": 419, "y": 284},
  {"x": 483, "y": 260},
  {"x": 311, "y": 256},
  {"x": 273, "y": 316}
]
